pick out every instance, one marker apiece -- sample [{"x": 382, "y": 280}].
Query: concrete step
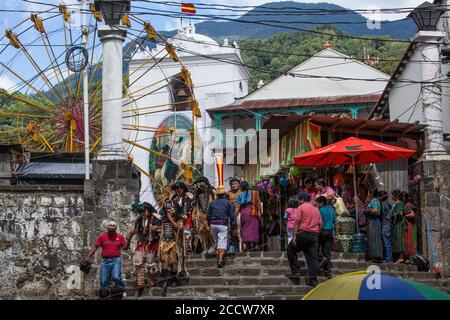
[
  {"x": 202, "y": 297},
  {"x": 337, "y": 263},
  {"x": 215, "y": 291},
  {"x": 281, "y": 280},
  {"x": 268, "y": 271},
  {"x": 278, "y": 254},
  {"x": 193, "y": 265},
  {"x": 276, "y": 280}
]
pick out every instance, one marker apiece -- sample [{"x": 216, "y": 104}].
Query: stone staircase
[{"x": 263, "y": 276}]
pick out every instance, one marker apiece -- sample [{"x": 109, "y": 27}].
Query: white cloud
[
  {"x": 6, "y": 83},
  {"x": 171, "y": 24}
]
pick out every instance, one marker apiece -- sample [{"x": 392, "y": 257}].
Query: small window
[{"x": 240, "y": 85}]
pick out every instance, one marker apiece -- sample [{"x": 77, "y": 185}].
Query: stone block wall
[
  {"x": 435, "y": 206},
  {"x": 108, "y": 195},
  {"x": 41, "y": 241}
]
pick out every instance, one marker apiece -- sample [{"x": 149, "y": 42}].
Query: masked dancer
[
  {"x": 169, "y": 253},
  {"x": 146, "y": 228},
  {"x": 185, "y": 202},
  {"x": 203, "y": 197}
]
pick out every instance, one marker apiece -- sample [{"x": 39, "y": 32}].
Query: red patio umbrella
[{"x": 352, "y": 151}]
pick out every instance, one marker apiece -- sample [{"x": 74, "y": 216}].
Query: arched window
[{"x": 181, "y": 94}]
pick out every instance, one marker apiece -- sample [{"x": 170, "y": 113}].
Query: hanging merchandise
[
  {"x": 377, "y": 177},
  {"x": 261, "y": 186},
  {"x": 284, "y": 181},
  {"x": 338, "y": 178},
  {"x": 271, "y": 190},
  {"x": 294, "y": 171}
]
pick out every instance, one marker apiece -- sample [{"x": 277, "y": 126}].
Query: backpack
[{"x": 421, "y": 262}]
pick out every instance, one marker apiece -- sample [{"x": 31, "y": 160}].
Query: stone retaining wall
[{"x": 41, "y": 237}]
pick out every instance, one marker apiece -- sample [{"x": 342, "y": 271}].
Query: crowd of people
[{"x": 201, "y": 218}]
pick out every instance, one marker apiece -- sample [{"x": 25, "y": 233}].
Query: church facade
[{"x": 219, "y": 78}]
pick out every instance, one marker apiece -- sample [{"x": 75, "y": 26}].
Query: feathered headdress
[{"x": 199, "y": 183}]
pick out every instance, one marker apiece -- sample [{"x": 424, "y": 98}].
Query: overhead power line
[
  {"x": 223, "y": 7},
  {"x": 291, "y": 73},
  {"x": 173, "y": 14}
]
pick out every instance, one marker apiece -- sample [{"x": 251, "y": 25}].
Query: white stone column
[
  {"x": 431, "y": 93},
  {"x": 112, "y": 39}
]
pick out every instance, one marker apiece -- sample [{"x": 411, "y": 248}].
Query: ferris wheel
[{"x": 46, "y": 55}]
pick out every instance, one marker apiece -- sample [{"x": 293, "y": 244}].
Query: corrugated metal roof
[
  {"x": 299, "y": 103},
  {"x": 285, "y": 122}
]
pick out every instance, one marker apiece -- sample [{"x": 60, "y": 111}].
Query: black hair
[
  {"x": 374, "y": 192},
  {"x": 398, "y": 194},
  {"x": 382, "y": 195},
  {"x": 244, "y": 185},
  {"x": 406, "y": 197},
  {"x": 308, "y": 180},
  {"x": 178, "y": 185},
  {"x": 306, "y": 197},
  {"x": 235, "y": 180},
  {"x": 323, "y": 200},
  {"x": 320, "y": 181},
  {"x": 293, "y": 202}
]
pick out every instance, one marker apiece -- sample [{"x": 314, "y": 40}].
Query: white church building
[{"x": 219, "y": 78}]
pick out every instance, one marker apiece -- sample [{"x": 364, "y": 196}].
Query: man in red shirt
[
  {"x": 306, "y": 231},
  {"x": 112, "y": 244}
]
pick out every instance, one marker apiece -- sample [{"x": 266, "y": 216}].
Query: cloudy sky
[{"x": 10, "y": 19}]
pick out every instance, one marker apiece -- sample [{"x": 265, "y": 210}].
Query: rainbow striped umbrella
[{"x": 361, "y": 285}]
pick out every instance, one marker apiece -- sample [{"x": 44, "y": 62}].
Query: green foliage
[
  {"x": 271, "y": 57},
  {"x": 265, "y": 58}
]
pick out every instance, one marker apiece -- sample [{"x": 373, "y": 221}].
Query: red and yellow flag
[
  {"x": 188, "y": 8},
  {"x": 219, "y": 168}
]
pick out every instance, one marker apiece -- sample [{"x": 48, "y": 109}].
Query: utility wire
[
  {"x": 224, "y": 7},
  {"x": 300, "y": 75},
  {"x": 212, "y": 17}
]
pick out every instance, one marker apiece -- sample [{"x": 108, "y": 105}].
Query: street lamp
[
  {"x": 112, "y": 10},
  {"x": 426, "y": 16},
  {"x": 112, "y": 36}
]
